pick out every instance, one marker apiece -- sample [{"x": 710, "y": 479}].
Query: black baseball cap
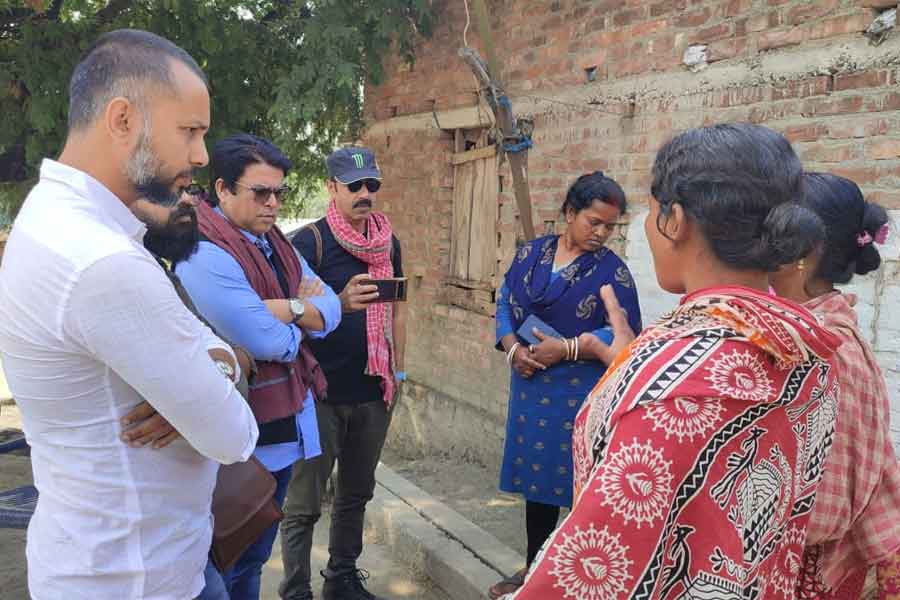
[{"x": 352, "y": 164}]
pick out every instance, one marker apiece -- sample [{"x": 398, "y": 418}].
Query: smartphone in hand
[{"x": 392, "y": 289}]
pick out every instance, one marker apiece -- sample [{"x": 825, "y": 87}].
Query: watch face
[
  {"x": 297, "y": 307},
  {"x": 226, "y": 369}
]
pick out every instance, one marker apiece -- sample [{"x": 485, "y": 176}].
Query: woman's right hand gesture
[
  {"x": 524, "y": 363},
  {"x": 618, "y": 320}
]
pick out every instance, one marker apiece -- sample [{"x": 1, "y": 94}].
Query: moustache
[
  {"x": 363, "y": 202},
  {"x": 183, "y": 210},
  {"x": 162, "y": 192}
]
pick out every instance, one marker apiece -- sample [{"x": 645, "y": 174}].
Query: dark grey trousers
[{"x": 353, "y": 435}]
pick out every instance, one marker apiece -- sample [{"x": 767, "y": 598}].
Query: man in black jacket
[{"x": 363, "y": 363}]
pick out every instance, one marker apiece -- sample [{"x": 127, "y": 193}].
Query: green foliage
[
  {"x": 292, "y": 71},
  {"x": 309, "y": 202}
]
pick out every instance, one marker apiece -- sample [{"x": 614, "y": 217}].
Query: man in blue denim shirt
[{"x": 241, "y": 258}]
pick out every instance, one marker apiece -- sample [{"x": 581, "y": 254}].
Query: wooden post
[
  {"x": 504, "y": 117},
  {"x": 487, "y": 38}
]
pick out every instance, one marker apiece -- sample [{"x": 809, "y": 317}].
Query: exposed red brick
[
  {"x": 835, "y": 26},
  {"x": 884, "y": 149},
  {"x": 858, "y": 127},
  {"x": 664, "y": 46},
  {"x": 864, "y": 79},
  {"x": 668, "y": 7},
  {"x": 770, "y": 40},
  {"x": 649, "y": 28},
  {"x": 834, "y": 106},
  {"x": 807, "y": 132},
  {"x": 814, "y": 86},
  {"x": 810, "y": 10},
  {"x": 693, "y": 19},
  {"x": 736, "y": 8},
  {"x": 829, "y": 152},
  {"x": 708, "y": 34},
  {"x": 776, "y": 111},
  {"x": 627, "y": 17},
  {"x": 861, "y": 175},
  {"x": 889, "y": 199},
  {"x": 725, "y": 49}
]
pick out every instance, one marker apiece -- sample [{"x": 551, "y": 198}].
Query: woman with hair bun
[
  {"x": 555, "y": 280},
  {"x": 855, "y": 523},
  {"x": 698, "y": 454}
]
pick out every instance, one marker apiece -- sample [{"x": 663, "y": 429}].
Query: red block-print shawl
[{"x": 697, "y": 458}]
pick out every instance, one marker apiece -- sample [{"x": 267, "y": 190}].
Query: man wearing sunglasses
[
  {"x": 363, "y": 362},
  {"x": 250, "y": 284}
]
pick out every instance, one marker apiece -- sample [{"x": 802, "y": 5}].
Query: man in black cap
[{"x": 363, "y": 363}]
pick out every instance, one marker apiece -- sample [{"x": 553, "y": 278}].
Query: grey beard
[{"x": 142, "y": 170}]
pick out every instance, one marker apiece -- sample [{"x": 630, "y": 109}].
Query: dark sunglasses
[
  {"x": 373, "y": 185},
  {"x": 262, "y": 193}
]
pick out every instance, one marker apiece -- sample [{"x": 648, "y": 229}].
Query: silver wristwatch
[
  {"x": 226, "y": 368},
  {"x": 297, "y": 308}
]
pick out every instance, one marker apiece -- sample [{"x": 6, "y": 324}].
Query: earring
[{"x": 801, "y": 264}]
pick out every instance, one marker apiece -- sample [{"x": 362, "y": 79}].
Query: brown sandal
[{"x": 508, "y": 585}]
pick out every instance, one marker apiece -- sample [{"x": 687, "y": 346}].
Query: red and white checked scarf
[
  {"x": 374, "y": 249},
  {"x": 856, "y": 519}
]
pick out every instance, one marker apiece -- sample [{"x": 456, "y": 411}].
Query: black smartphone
[{"x": 392, "y": 289}]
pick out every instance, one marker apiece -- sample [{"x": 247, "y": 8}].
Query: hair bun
[
  {"x": 869, "y": 259},
  {"x": 788, "y": 233}
]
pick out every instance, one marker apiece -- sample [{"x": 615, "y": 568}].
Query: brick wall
[{"x": 803, "y": 68}]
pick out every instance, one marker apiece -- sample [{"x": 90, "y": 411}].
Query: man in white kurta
[{"x": 91, "y": 327}]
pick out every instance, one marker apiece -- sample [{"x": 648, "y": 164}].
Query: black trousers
[
  {"x": 540, "y": 521},
  {"x": 353, "y": 435}
]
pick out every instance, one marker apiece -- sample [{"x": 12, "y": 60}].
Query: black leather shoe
[{"x": 347, "y": 586}]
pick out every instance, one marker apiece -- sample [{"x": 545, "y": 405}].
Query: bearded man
[{"x": 91, "y": 329}]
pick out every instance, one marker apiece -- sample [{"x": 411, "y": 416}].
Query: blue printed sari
[{"x": 537, "y": 456}]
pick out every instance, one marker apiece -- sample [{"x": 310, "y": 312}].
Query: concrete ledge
[{"x": 433, "y": 539}]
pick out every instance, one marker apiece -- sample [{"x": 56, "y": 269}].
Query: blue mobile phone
[{"x": 533, "y": 322}]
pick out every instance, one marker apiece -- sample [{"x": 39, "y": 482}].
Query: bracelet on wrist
[{"x": 511, "y": 353}]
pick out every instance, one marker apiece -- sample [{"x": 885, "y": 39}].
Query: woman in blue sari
[{"x": 557, "y": 279}]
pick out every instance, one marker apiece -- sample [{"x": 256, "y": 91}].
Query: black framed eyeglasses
[
  {"x": 263, "y": 193},
  {"x": 373, "y": 185}
]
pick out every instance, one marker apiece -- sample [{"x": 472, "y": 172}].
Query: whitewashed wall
[{"x": 878, "y": 306}]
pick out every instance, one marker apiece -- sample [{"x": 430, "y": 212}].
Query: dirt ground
[{"x": 15, "y": 471}]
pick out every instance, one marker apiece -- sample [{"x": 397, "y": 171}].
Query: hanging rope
[{"x": 468, "y": 20}]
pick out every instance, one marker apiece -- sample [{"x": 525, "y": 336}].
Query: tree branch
[{"x": 113, "y": 10}]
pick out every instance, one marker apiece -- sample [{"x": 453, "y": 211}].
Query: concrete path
[{"x": 388, "y": 578}]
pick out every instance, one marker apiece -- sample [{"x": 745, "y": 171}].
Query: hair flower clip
[{"x": 865, "y": 238}]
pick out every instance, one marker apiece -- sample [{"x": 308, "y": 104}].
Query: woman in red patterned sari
[
  {"x": 856, "y": 521},
  {"x": 698, "y": 454}
]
